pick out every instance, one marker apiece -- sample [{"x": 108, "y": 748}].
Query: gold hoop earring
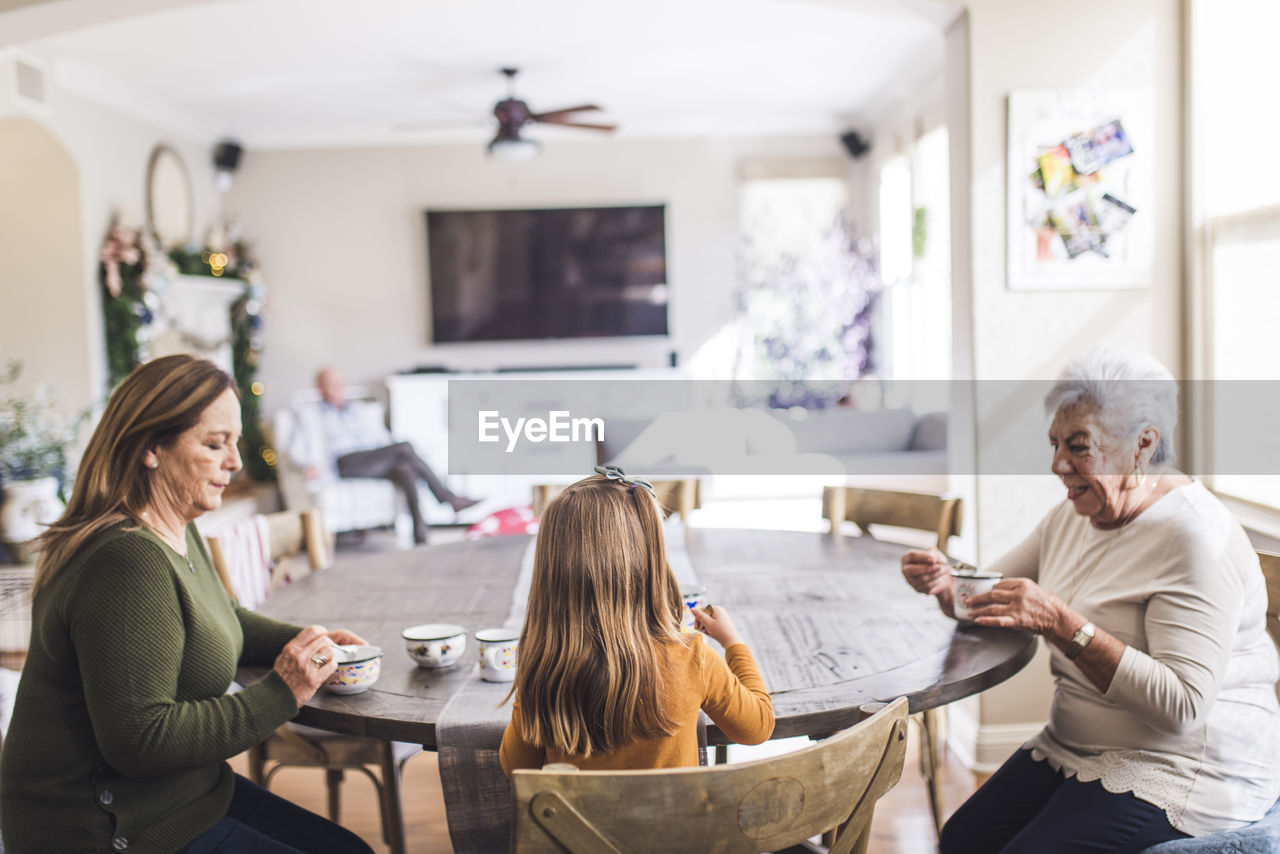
[{"x": 1140, "y": 476}]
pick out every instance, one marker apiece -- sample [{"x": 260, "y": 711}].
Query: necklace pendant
[{"x": 191, "y": 566}]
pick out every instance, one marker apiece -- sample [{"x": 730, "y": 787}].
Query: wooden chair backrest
[
  {"x": 291, "y": 533},
  {"x": 1271, "y": 571},
  {"x": 675, "y": 496},
  {"x": 922, "y": 511},
  {"x": 766, "y": 805}
]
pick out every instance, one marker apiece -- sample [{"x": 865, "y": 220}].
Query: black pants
[
  {"x": 258, "y": 822},
  {"x": 1029, "y": 808},
  {"x": 401, "y": 465}
]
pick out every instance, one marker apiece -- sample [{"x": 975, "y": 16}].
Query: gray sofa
[
  {"x": 766, "y": 453},
  {"x": 884, "y": 442}
]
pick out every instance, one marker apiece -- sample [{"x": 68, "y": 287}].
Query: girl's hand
[
  {"x": 297, "y": 665},
  {"x": 927, "y": 571},
  {"x": 1018, "y": 603},
  {"x": 718, "y": 626}
]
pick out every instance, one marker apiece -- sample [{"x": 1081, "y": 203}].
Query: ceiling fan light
[{"x": 513, "y": 148}]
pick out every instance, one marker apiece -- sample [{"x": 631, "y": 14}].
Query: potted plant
[{"x": 34, "y": 439}]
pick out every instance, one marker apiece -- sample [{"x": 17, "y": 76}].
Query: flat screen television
[{"x": 505, "y": 275}]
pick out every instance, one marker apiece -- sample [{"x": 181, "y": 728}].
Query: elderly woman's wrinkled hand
[
  {"x": 1018, "y": 603},
  {"x": 306, "y": 662},
  {"x": 927, "y": 571}
]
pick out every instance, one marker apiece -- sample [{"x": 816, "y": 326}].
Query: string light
[{"x": 217, "y": 261}]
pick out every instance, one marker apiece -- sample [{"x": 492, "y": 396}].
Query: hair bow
[{"x": 616, "y": 473}]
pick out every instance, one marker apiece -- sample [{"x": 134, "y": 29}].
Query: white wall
[
  {"x": 109, "y": 151},
  {"x": 1013, "y": 44},
  {"x": 40, "y": 262},
  {"x": 342, "y": 241}
]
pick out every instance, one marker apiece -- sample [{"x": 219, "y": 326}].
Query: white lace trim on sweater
[{"x": 1157, "y": 780}]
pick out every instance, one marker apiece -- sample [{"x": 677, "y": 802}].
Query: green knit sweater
[{"x": 122, "y": 725}]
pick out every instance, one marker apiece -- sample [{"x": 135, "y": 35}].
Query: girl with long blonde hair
[{"x": 606, "y": 680}]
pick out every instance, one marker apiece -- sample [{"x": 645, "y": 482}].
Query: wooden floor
[{"x": 902, "y": 822}]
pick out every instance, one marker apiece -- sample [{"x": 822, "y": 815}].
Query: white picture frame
[{"x": 1089, "y": 225}]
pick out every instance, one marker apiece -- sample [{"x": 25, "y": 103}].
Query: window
[
  {"x": 915, "y": 258},
  {"x": 809, "y": 287},
  {"x": 1236, "y": 210}
]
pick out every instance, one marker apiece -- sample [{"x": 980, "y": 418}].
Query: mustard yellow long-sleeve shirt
[{"x": 728, "y": 689}]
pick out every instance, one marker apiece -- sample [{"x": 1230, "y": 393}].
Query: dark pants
[
  {"x": 258, "y": 822},
  {"x": 1029, "y": 808},
  {"x": 401, "y": 465}
]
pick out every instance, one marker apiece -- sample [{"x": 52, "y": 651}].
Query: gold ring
[
  {"x": 319, "y": 659},
  {"x": 710, "y": 609}
]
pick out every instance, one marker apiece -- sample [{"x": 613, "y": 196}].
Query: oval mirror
[{"x": 169, "y": 206}]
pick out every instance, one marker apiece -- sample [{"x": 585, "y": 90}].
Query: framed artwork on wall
[{"x": 1079, "y": 212}]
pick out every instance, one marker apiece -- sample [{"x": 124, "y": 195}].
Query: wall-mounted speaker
[
  {"x": 226, "y": 159},
  {"x": 855, "y": 144}
]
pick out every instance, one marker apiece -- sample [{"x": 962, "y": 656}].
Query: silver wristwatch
[{"x": 1081, "y": 639}]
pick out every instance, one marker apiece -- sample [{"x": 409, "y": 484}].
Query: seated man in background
[{"x": 350, "y": 438}]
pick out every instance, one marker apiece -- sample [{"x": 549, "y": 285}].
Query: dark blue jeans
[
  {"x": 258, "y": 822},
  {"x": 1029, "y": 808}
]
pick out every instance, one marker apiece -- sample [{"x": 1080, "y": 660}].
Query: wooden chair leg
[
  {"x": 929, "y": 764},
  {"x": 833, "y": 508},
  {"x": 864, "y": 838},
  {"x": 860, "y": 844},
  {"x": 392, "y": 816},
  {"x": 258, "y": 764},
  {"x": 686, "y": 499},
  {"x": 333, "y": 782}
]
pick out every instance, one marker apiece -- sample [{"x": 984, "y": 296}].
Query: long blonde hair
[
  {"x": 150, "y": 409},
  {"x": 602, "y": 606}
]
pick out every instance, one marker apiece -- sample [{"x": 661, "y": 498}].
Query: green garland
[
  {"x": 246, "y": 322},
  {"x": 123, "y": 319},
  {"x": 125, "y": 313},
  {"x": 198, "y": 262},
  {"x": 259, "y": 457}
]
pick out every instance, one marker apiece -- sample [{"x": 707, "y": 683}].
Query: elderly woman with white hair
[{"x": 1164, "y": 722}]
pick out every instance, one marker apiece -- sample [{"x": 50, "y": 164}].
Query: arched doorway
[{"x": 43, "y": 321}]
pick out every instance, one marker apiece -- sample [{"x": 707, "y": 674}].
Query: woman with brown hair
[
  {"x": 606, "y": 680},
  {"x": 122, "y": 723}
]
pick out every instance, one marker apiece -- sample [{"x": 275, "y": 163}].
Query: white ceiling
[{"x": 297, "y": 73}]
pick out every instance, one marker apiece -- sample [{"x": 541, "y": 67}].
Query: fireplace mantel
[{"x": 195, "y": 318}]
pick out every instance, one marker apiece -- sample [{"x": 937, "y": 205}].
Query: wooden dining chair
[
  {"x": 682, "y": 495},
  {"x": 291, "y": 535},
  {"x": 772, "y": 804},
  {"x": 1263, "y": 834},
  {"x": 923, "y": 511},
  {"x": 1270, "y": 562}
]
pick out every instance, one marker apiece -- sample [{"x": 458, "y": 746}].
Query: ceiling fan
[{"x": 513, "y": 115}]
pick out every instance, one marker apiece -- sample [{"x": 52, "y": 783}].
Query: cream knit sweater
[{"x": 1190, "y": 721}]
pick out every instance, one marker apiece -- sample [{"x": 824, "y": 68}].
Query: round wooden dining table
[{"x": 786, "y": 590}]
